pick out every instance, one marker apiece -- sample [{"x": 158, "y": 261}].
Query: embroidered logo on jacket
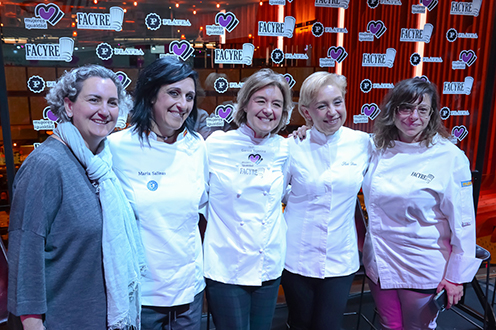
[{"x": 426, "y": 177}]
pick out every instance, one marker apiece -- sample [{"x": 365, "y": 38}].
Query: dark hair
[
  {"x": 407, "y": 91},
  {"x": 163, "y": 71}
]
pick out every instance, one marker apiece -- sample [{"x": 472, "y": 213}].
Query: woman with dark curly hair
[
  {"x": 418, "y": 193},
  {"x": 162, "y": 164},
  {"x": 74, "y": 250}
]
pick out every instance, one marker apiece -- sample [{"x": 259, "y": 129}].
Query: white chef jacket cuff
[{"x": 462, "y": 269}]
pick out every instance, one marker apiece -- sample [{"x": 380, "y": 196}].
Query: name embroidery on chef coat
[{"x": 253, "y": 161}]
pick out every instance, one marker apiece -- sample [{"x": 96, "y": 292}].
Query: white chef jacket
[
  {"x": 166, "y": 185},
  {"x": 325, "y": 173},
  {"x": 245, "y": 240},
  {"x": 421, "y": 216}
]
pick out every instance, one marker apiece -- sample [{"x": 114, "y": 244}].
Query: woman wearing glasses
[{"x": 418, "y": 194}]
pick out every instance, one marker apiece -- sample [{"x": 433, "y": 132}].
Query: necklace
[{"x": 162, "y": 137}]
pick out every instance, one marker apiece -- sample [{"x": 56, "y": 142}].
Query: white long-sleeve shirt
[
  {"x": 166, "y": 185},
  {"x": 325, "y": 173},
  {"x": 421, "y": 216},
  {"x": 245, "y": 240}
]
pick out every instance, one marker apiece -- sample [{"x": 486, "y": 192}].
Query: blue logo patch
[
  {"x": 466, "y": 183},
  {"x": 152, "y": 185}
]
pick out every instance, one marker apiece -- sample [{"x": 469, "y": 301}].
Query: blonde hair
[
  {"x": 312, "y": 85},
  {"x": 256, "y": 82}
]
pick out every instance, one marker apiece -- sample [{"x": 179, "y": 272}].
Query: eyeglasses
[{"x": 407, "y": 109}]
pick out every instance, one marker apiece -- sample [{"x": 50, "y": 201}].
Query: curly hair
[
  {"x": 70, "y": 84},
  {"x": 407, "y": 91},
  {"x": 256, "y": 82},
  {"x": 163, "y": 71},
  {"x": 312, "y": 85}
]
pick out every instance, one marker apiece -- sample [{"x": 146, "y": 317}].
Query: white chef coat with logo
[
  {"x": 245, "y": 241},
  {"x": 421, "y": 216},
  {"x": 166, "y": 185},
  {"x": 325, "y": 173}
]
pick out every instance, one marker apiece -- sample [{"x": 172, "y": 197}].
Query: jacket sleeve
[
  {"x": 458, "y": 206},
  {"x": 37, "y": 198}
]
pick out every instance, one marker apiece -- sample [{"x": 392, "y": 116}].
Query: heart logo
[
  {"x": 123, "y": 78},
  {"x": 50, "y": 13},
  {"x": 424, "y": 78},
  {"x": 459, "y": 132},
  {"x": 182, "y": 49},
  {"x": 430, "y": 4},
  {"x": 48, "y": 114},
  {"x": 289, "y": 78},
  {"x": 375, "y": 27},
  {"x": 334, "y": 54},
  {"x": 255, "y": 158},
  {"x": 46, "y": 15},
  {"x": 338, "y": 54},
  {"x": 226, "y": 20},
  {"x": 225, "y": 112},
  {"x": 468, "y": 56},
  {"x": 370, "y": 110}
]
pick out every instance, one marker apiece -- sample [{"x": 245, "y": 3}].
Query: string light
[
  {"x": 177, "y": 5},
  {"x": 194, "y": 12},
  {"x": 261, "y": 3},
  {"x": 218, "y": 5},
  {"x": 74, "y": 33},
  {"x": 135, "y": 3}
]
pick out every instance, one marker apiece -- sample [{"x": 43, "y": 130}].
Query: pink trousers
[{"x": 403, "y": 309}]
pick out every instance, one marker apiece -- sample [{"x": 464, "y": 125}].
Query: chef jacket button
[
  {"x": 261, "y": 251},
  {"x": 241, "y": 223},
  {"x": 263, "y": 222},
  {"x": 238, "y": 194},
  {"x": 265, "y": 193}
]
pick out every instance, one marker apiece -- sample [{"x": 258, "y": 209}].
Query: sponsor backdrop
[{"x": 374, "y": 43}]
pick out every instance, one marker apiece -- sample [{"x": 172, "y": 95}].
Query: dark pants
[
  {"x": 314, "y": 303},
  {"x": 240, "y": 307},
  {"x": 181, "y": 317}
]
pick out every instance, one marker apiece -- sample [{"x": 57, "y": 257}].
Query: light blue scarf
[{"x": 123, "y": 256}]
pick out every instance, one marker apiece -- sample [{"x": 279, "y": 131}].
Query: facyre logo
[
  {"x": 277, "y": 29},
  {"x": 385, "y": 60},
  {"x": 101, "y": 21},
  {"x": 235, "y": 56},
  {"x": 51, "y": 52},
  {"x": 466, "y": 8},
  {"x": 458, "y": 87}
]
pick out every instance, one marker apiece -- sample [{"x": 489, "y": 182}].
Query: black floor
[{"x": 447, "y": 320}]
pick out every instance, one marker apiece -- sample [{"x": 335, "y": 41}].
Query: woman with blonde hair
[
  {"x": 245, "y": 240},
  {"x": 325, "y": 172}
]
